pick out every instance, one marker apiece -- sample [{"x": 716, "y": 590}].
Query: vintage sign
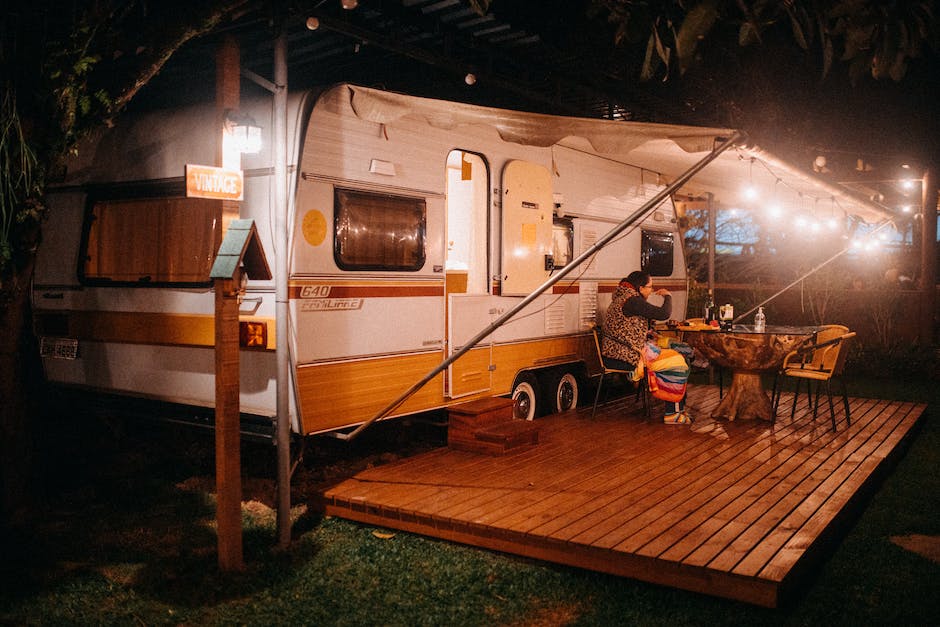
[{"x": 204, "y": 181}]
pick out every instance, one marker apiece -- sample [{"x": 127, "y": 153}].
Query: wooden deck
[{"x": 733, "y": 509}]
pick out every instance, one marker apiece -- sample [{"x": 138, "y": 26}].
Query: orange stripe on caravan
[
  {"x": 138, "y": 327},
  {"x": 313, "y": 289}
]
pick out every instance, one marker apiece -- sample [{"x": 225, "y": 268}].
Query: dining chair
[
  {"x": 822, "y": 361},
  {"x": 640, "y": 384},
  {"x": 807, "y": 355}
]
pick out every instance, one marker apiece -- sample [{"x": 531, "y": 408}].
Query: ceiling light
[{"x": 349, "y": 5}]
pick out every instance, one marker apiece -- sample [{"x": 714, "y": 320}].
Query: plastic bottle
[{"x": 760, "y": 321}]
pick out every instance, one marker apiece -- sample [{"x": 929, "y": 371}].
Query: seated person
[{"x": 625, "y": 334}]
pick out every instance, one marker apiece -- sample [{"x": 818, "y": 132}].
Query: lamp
[
  {"x": 349, "y": 5},
  {"x": 244, "y": 132}
]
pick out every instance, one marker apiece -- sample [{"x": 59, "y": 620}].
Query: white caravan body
[{"x": 414, "y": 224}]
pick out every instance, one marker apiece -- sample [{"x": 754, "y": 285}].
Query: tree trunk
[{"x": 19, "y": 374}]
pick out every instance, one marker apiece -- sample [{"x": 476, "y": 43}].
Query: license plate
[{"x": 58, "y": 347}]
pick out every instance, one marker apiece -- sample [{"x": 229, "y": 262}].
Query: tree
[
  {"x": 877, "y": 37},
  {"x": 65, "y": 73},
  {"x": 795, "y": 75}
]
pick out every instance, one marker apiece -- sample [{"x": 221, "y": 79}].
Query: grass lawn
[{"x": 125, "y": 535}]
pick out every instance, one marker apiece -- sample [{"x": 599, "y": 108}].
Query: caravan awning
[{"x": 665, "y": 149}]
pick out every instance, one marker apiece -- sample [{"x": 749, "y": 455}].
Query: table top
[
  {"x": 748, "y": 329},
  {"x": 745, "y": 349}
]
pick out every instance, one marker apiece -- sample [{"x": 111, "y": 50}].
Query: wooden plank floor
[{"x": 733, "y": 509}]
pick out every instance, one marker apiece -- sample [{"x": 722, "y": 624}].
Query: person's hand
[{"x": 662, "y": 292}]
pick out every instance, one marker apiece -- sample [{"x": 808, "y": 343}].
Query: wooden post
[
  {"x": 227, "y": 412},
  {"x": 227, "y": 98},
  {"x": 240, "y": 257},
  {"x": 228, "y": 481}
]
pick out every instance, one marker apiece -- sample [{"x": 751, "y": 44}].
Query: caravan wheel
[
  {"x": 526, "y": 393},
  {"x": 564, "y": 390}
]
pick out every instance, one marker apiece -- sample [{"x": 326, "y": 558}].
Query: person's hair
[{"x": 637, "y": 279}]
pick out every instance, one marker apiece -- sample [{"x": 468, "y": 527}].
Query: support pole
[
  {"x": 712, "y": 238},
  {"x": 281, "y": 294},
  {"x": 928, "y": 259}
]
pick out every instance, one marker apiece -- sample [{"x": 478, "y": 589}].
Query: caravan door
[
  {"x": 467, "y": 271},
  {"x": 527, "y": 205}
]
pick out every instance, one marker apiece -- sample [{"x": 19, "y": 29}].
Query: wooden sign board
[{"x": 204, "y": 181}]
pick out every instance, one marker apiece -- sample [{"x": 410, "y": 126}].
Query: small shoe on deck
[{"x": 680, "y": 418}]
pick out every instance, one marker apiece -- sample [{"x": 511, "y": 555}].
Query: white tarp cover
[{"x": 666, "y": 149}]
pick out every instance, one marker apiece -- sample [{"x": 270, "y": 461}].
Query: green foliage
[
  {"x": 20, "y": 181},
  {"x": 877, "y": 37}
]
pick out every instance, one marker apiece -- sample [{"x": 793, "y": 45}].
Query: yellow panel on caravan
[
  {"x": 471, "y": 373},
  {"x": 340, "y": 394},
  {"x": 511, "y": 358}
]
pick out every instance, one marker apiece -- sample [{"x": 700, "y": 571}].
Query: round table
[{"x": 747, "y": 353}]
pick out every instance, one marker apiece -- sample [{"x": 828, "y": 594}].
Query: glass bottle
[
  {"x": 760, "y": 321},
  {"x": 709, "y": 308}
]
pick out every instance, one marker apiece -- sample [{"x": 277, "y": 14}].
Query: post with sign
[
  {"x": 240, "y": 258},
  {"x": 225, "y": 184}
]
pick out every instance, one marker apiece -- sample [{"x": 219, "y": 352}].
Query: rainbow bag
[{"x": 667, "y": 372}]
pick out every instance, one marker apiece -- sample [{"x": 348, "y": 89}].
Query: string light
[
  {"x": 750, "y": 192},
  {"x": 832, "y": 222},
  {"x": 773, "y": 208}
]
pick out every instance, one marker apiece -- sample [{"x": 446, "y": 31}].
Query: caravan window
[
  {"x": 656, "y": 253},
  {"x": 375, "y": 231},
  {"x": 150, "y": 241}
]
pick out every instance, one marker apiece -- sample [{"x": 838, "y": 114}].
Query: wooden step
[{"x": 487, "y": 425}]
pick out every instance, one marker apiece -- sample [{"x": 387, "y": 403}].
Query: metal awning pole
[
  {"x": 603, "y": 241},
  {"x": 280, "y": 288}
]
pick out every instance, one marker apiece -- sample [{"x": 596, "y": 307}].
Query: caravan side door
[
  {"x": 527, "y": 205},
  {"x": 467, "y": 271}
]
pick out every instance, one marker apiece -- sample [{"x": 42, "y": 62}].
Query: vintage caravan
[{"x": 413, "y": 224}]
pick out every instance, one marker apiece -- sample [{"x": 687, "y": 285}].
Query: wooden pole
[
  {"x": 227, "y": 411},
  {"x": 228, "y": 480}
]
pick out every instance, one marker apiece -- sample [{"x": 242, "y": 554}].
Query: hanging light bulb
[
  {"x": 774, "y": 210},
  {"x": 349, "y": 5},
  {"x": 750, "y": 192}
]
